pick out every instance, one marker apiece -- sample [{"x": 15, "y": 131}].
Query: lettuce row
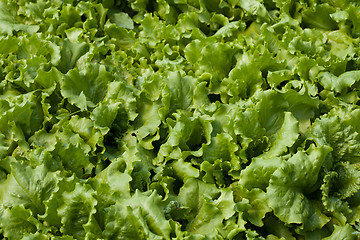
[{"x": 179, "y": 119}]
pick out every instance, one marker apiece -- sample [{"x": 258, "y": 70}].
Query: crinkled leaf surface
[
  {"x": 291, "y": 182},
  {"x": 179, "y": 119}
]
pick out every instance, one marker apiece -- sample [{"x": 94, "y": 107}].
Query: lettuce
[{"x": 179, "y": 119}]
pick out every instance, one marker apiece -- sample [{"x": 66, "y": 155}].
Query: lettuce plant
[{"x": 179, "y": 119}]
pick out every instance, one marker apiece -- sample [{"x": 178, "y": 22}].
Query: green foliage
[{"x": 179, "y": 119}]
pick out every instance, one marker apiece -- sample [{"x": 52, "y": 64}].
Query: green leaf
[
  {"x": 285, "y": 137},
  {"x": 36, "y": 45},
  {"x": 341, "y": 83},
  {"x": 184, "y": 170},
  {"x": 222, "y": 146},
  {"x": 207, "y": 219},
  {"x": 140, "y": 216},
  {"x": 278, "y": 229},
  {"x": 51, "y": 216},
  {"x": 122, "y": 19},
  {"x": 212, "y": 58},
  {"x": 87, "y": 131},
  {"x": 341, "y": 44},
  {"x": 184, "y": 138},
  {"x": 77, "y": 209},
  {"x": 217, "y": 172},
  {"x": 354, "y": 17},
  {"x": 25, "y": 111},
  {"x": 87, "y": 87},
  {"x": 192, "y": 194},
  {"x": 120, "y": 92},
  {"x": 259, "y": 207},
  {"x": 47, "y": 79},
  {"x": 255, "y": 8},
  {"x": 348, "y": 182},
  {"x": 9, "y": 21},
  {"x": 120, "y": 36},
  {"x": 28, "y": 187},
  {"x": 340, "y": 209},
  {"x": 148, "y": 120},
  {"x": 333, "y": 130},
  {"x": 179, "y": 91},
  {"x": 259, "y": 172},
  {"x": 113, "y": 180},
  {"x": 247, "y": 124},
  {"x": 289, "y": 185},
  {"x": 9, "y": 45},
  {"x": 17, "y": 221},
  {"x": 209, "y": 206},
  {"x": 271, "y": 106},
  {"x": 319, "y": 17},
  {"x": 70, "y": 54},
  {"x": 71, "y": 156},
  {"x": 226, "y": 203},
  {"x": 230, "y": 29},
  {"x": 34, "y": 236},
  {"x": 12, "y": 138},
  {"x": 244, "y": 80},
  {"x": 345, "y": 232},
  {"x": 303, "y": 107},
  {"x": 276, "y": 77},
  {"x": 104, "y": 114},
  {"x": 179, "y": 119}
]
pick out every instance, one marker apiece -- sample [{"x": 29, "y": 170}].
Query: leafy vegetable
[{"x": 179, "y": 119}]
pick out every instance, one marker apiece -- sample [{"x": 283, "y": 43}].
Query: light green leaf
[
  {"x": 51, "y": 217},
  {"x": 35, "y": 236},
  {"x": 340, "y": 209},
  {"x": 70, "y": 54},
  {"x": 178, "y": 93},
  {"x": 148, "y": 120},
  {"x": 285, "y": 137},
  {"x": 9, "y": 45},
  {"x": 112, "y": 181},
  {"x": 345, "y": 232},
  {"x": 222, "y": 147},
  {"x": 354, "y": 17},
  {"x": 207, "y": 219},
  {"x": 184, "y": 138},
  {"x": 184, "y": 169},
  {"x": 212, "y": 58},
  {"x": 86, "y": 129},
  {"x": 226, "y": 203},
  {"x": 319, "y": 17},
  {"x": 9, "y": 21},
  {"x": 138, "y": 217},
  {"x": 341, "y": 83},
  {"x": 77, "y": 209},
  {"x": 104, "y": 114},
  {"x": 192, "y": 195},
  {"x": 28, "y": 187},
  {"x": 271, "y": 106},
  {"x": 244, "y": 80},
  {"x": 17, "y": 221},
  {"x": 217, "y": 172},
  {"x": 85, "y": 88},
  {"x": 47, "y": 79},
  {"x": 333, "y": 130},
  {"x": 122, "y": 19},
  {"x": 259, "y": 172},
  {"x": 289, "y": 185},
  {"x": 120, "y": 36},
  {"x": 255, "y": 8},
  {"x": 120, "y": 92},
  {"x": 71, "y": 157}
]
